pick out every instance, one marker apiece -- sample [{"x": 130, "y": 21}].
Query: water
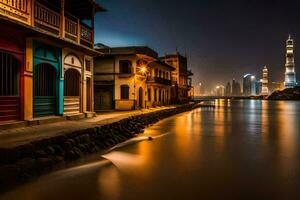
[{"x": 240, "y": 150}]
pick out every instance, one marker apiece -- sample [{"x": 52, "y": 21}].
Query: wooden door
[
  {"x": 44, "y": 90},
  {"x": 88, "y": 95},
  {"x": 9, "y": 87},
  {"x": 71, "y": 92},
  {"x": 141, "y": 99}
]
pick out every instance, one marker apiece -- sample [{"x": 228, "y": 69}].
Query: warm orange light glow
[{"x": 143, "y": 69}]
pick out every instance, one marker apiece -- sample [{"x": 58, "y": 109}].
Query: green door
[{"x": 44, "y": 87}]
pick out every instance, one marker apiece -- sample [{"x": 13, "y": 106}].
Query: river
[{"x": 246, "y": 149}]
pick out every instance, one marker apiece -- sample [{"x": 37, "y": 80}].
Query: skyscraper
[
  {"x": 228, "y": 89},
  {"x": 236, "y": 88},
  {"x": 290, "y": 74},
  {"x": 249, "y": 88},
  {"x": 265, "y": 82}
]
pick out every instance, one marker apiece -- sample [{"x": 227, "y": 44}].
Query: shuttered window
[
  {"x": 149, "y": 94},
  {"x": 124, "y": 92},
  {"x": 125, "y": 67},
  {"x": 72, "y": 83},
  {"x": 9, "y": 75},
  {"x": 44, "y": 80}
]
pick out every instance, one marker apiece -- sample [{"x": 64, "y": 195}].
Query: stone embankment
[
  {"x": 18, "y": 164},
  {"x": 287, "y": 94}
]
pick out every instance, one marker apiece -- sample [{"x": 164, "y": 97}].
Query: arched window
[
  {"x": 72, "y": 83},
  {"x": 124, "y": 92},
  {"x": 9, "y": 75}
]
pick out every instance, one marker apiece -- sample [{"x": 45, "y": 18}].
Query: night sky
[{"x": 223, "y": 39}]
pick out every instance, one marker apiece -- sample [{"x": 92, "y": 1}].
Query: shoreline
[{"x": 22, "y": 163}]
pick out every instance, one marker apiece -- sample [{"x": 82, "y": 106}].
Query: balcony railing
[
  {"x": 16, "y": 9},
  {"x": 46, "y": 19},
  {"x": 86, "y": 36},
  {"x": 49, "y": 20},
  {"x": 71, "y": 29},
  {"x": 159, "y": 80}
]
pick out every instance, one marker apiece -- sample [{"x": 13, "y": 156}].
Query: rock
[
  {"x": 50, "y": 150},
  {"x": 27, "y": 150},
  {"x": 40, "y": 153},
  {"x": 83, "y": 148},
  {"x": 27, "y": 165},
  {"x": 9, "y": 155},
  {"x": 72, "y": 141},
  {"x": 77, "y": 152},
  {"x": 58, "y": 150},
  {"x": 9, "y": 175},
  {"x": 71, "y": 155},
  {"x": 44, "y": 163},
  {"x": 67, "y": 146},
  {"x": 59, "y": 159}
]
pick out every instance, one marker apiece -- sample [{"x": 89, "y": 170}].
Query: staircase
[
  {"x": 9, "y": 108},
  {"x": 71, "y": 105}
]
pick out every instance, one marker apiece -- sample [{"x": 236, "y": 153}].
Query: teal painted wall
[{"x": 43, "y": 53}]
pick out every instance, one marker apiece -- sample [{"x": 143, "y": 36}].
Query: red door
[{"x": 9, "y": 87}]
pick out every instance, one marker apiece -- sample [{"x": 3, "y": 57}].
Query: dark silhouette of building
[
  {"x": 228, "y": 89},
  {"x": 236, "y": 88}
]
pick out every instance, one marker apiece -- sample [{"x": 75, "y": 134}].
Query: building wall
[
  {"x": 180, "y": 92},
  {"x": 74, "y": 60},
  {"x": 108, "y": 70},
  {"x": 12, "y": 108}
]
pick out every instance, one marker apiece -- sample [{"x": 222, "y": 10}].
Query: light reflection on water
[{"x": 240, "y": 150}]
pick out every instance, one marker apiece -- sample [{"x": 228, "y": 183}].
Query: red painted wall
[{"x": 13, "y": 41}]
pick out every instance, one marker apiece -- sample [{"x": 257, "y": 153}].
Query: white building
[
  {"x": 290, "y": 74},
  {"x": 265, "y": 82}
]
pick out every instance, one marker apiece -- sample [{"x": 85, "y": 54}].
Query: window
[
  {"x": 149, "y": 94},
  {"x": 124, "y": 92},
  {"x": 125, "y": 67},
  {"x": 159, "y": 95},
  {"x": 9, "y": 75},
  {"x": 87, "y": 65},
  {"x": 156, "y": 73}
]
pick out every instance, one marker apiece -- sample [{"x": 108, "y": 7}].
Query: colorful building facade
[
  {"x": 130, "y": 78},
  {"x": 46, "y": 58}
]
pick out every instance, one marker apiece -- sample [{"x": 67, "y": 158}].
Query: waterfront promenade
[{"x": 18, "y": 136}]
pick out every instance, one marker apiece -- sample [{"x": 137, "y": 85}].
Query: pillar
[{"x": 28, "y": 91}]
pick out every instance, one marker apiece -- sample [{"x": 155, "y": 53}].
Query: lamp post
[{"x": 200, "y": 85}]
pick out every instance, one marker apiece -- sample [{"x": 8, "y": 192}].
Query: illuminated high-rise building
[
  {"x": 249, "y": 88},
  {"x": 265, "y": 82},
  {"x": 290, "y": 74}
]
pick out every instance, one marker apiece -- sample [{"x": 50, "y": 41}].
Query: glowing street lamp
[{"x": 143, "y": 69}]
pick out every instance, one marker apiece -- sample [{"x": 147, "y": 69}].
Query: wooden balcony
[
  {"x": 159, "y": 80},
  {"x": 47, "y": 20},
  {"x": 16, "y": 9},
  {"x": 75, "y": 31}
]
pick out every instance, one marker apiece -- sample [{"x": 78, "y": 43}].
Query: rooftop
[
  {"x": 131, "y": 50},
  {"x": 159, "y": 62}
]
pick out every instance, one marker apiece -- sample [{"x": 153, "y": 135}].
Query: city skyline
[{"x": 259, "y": 40}]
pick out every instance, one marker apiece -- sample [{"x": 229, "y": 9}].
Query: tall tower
[
  {"x": 265, "y": 82},
  {"x": 290, "y": 74}
]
